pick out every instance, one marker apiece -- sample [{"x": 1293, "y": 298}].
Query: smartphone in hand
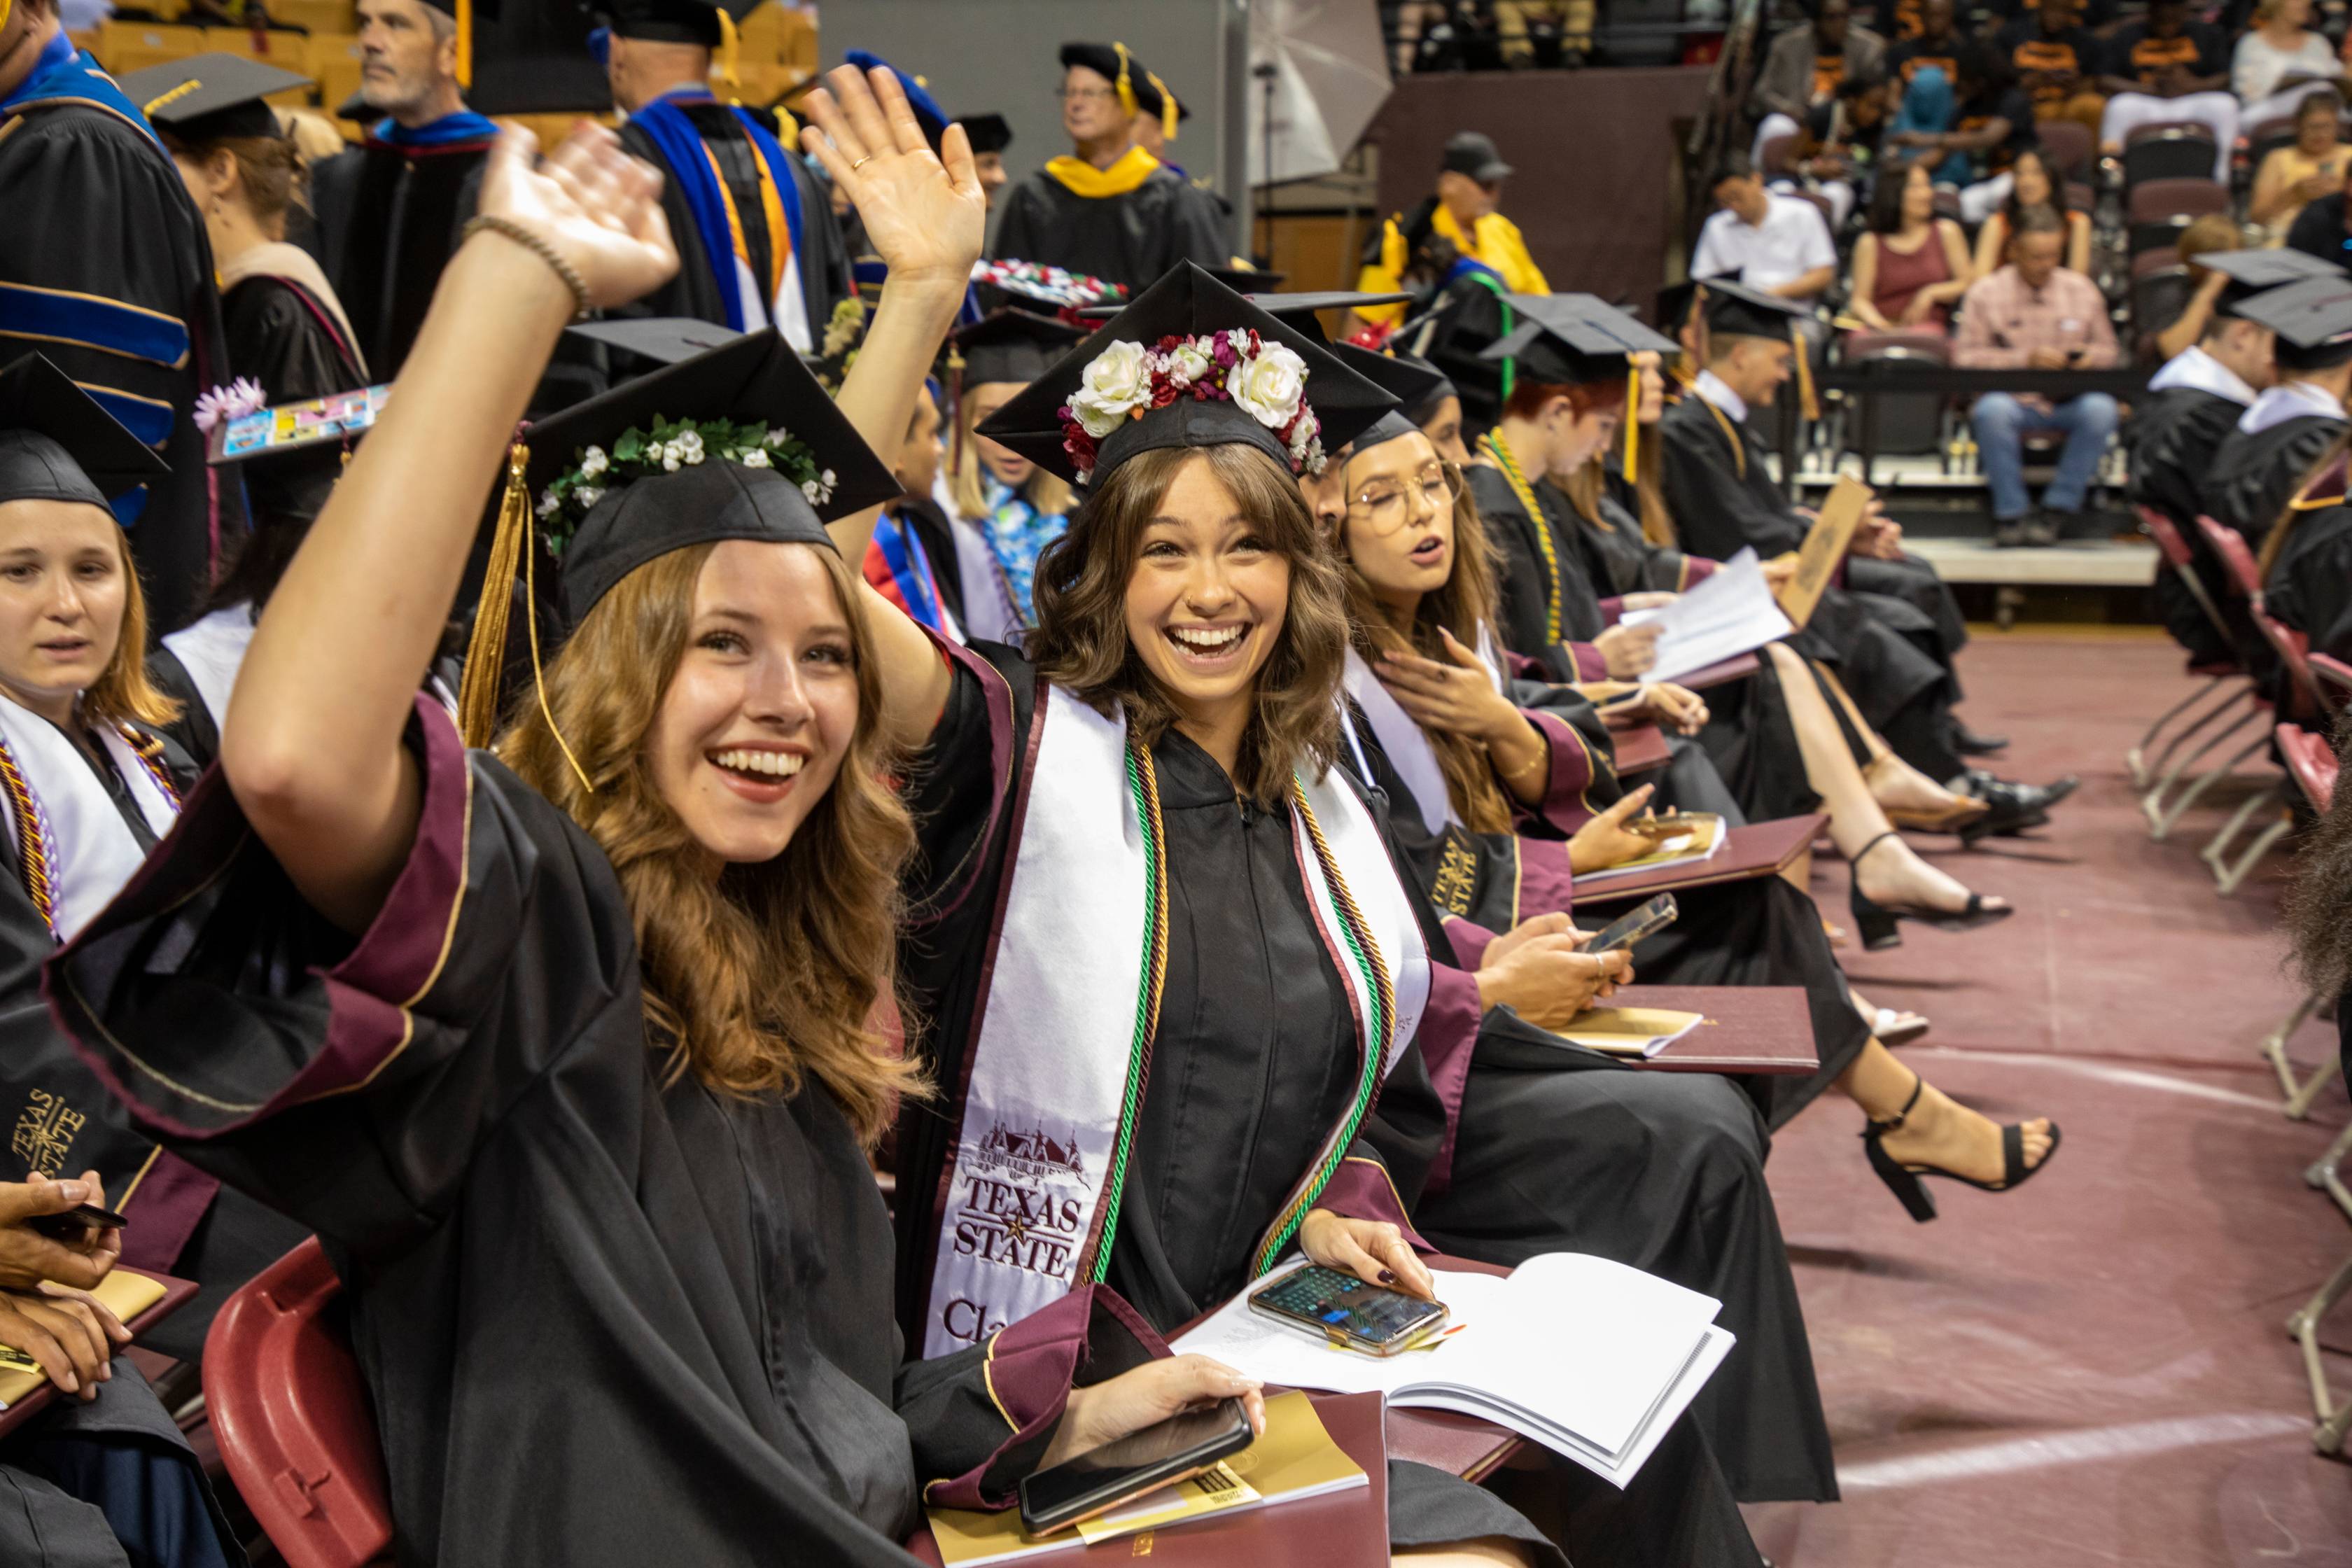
[{"x": 1161, "y": 1454}]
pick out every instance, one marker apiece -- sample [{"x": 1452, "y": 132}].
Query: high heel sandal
[
  {"x": 1955, "y": 815},
  {"x": 1903, "y": 1181},
  {"x": 1880, "y": 923}
]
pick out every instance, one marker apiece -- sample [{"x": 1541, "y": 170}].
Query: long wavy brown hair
[
  {"x": 1081, "y": 640},
  {"x": 770, "y": 970},
  {"x": 2318, "y": 907},
  {"x": 122, "y": 694},
  {"x": 1464, "y": 605}
]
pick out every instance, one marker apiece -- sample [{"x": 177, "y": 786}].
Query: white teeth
[
  {"x": 1194, "y": 637},
  {"x": 776, "y": 765}
]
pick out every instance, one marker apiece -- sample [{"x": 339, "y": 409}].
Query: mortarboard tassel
[
  {"x": 1807, "y": 403},
  {"x": 1126, "y": 84},
  {"x": 511, "y": 546},
  {"x": 1632, "y": 421},
  {"x": 728, "y": 57},
  {"x": 465, "y": 50},
  {"x": 1168, "y": 107}
]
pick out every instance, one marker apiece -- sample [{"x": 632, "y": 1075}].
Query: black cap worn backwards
[
  {"x": 1414, "y": 384},
  {"x": 2313, "y": 320},
  {"x": 675, "y": 21},
  {"x": 1570, "y": 340},
  {"x": 2251, "y": 272},
  {"x": 1473, "y": 153},
  {"x": 1735, "y": 311},
  {"x": 1009, "y": 346},
  {"x": 811, "y": 468},
  {"x": 1189, "y": 304},
  {"x": 206, "y": 97},
  {"x": 57, "y": 444},
  {"x": 987, "y": 132}
]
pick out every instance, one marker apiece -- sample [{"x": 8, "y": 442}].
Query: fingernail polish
[{"x": 1388, "y": 1277}]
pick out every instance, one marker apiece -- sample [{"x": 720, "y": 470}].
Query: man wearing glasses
[{"x": 1110, "y": 210}]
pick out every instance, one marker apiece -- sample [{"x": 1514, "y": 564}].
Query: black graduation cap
[
  {"x": 987, "y": 132},
  {"x": 675, "y": 21},
  {"x": 1414, "y": 384},
  {"x": 664, "y": 339},
  {"x": 1140, "y": 91},
  {"x": 1300, "y": 309},
  {"x": 1246, "y": 280},
  {"x": 1735, "y": 311},
  {"x": 1157, "y": 98},
  {"x": 2250, "y": 272},
  {"x": 1013, "y": 345},
  {"x": 205, "y": 97},
  {"x": 1573, "y": 339},
  {"x": 927, "y": 112},
  {"x": 57, "y": 444},
  {"x": 1674, "y": 300},
  {"x": 1441, "y": 387},
  {"x": 2313, "y": 320},
  {"x": 1185, "y": 303},
  {"x": 753, "y": 379}
]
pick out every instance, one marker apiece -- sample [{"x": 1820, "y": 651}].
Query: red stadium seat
[
  {"x": 2311, "y": 763},
  {"x": 2069, "y": 146},
  {"x": 2225, "y": 681},
  {"x": 293, "y": 1419}
]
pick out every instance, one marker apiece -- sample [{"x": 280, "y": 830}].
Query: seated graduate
[
  {"x": 1462, "y": 761},
  {"x": 1148, "y": 799},
  {"x": 103, "y": 1475},
  {"x": 1722, "y": 498},
  {"x": 564, "y": 1050},
  {"x": 2280, "y": 439},
  {"x": 2306, "y": 562},
  {"x": 2194, "y": 400},
  {"x": 1002, "y": 510},
  {"x": 91, "y": 786}
]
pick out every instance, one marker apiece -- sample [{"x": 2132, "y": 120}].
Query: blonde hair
[
  {"x": 1048, "y": 492},
  {"x": 769, "y": 972}
]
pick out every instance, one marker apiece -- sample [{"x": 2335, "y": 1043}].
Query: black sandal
[
  {"x": 1903, "y": 1181},
  {"x": 1881, "y": 923}
]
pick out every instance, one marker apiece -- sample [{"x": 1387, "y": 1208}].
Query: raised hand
[
  {"x": 599, "y": 207},
  {"x": 923, "y": 211}
]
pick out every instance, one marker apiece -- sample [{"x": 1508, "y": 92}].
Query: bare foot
[
  {"x": 1896, "y": 785},
  {"x": 1890, "y": 873},
  {"x": 1940, "y": 1132}
]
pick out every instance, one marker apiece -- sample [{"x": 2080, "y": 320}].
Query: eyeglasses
[
  {"x": 1085, "y": 94},
  {"x": 1385, "y": 505}
]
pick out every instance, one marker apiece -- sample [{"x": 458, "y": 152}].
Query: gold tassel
[
  {"x": 1807, "y": 405},
  {"x": 1168, "y": 109},
  {"x": 1126, "y": 86},
  {"x": 465, "y": 43},
  {"x": 477, "y": 689},
  {"x": 5, "y": 5},
  {"x": 539, "y": 676},
  {"x": 1632, "y": 420},
  {"x": 729, "y": 58}
]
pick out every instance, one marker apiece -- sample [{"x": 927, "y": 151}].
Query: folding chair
[
  {"x": 2335, "y": 1420},
  {"x": 2163, "y": 816},
  {"x": 2301, "y": 699},
  {"x": 2226, "y": 681},
  {"x": 293, "y": 1419}
]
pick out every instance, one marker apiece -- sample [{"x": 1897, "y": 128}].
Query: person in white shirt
[
  {"x": 2279, "y": 59},
  {"x": 1774, "y": 244}
]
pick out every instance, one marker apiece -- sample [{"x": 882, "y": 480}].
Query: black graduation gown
[
  {"x": 2174, "y": 434},
  {"x": 62, "y": 1122},
  {"x": 2309, "y": 588},
  {"x": 1254, "y": 1059},
  {"x": 1565, "y": 1150},
  {"x": 605, "y": 1318},
  {"x": 823, "y": 261},
  {"x": 97, "y": 212},
  {"x": 1131, "y": 238},
  {"x": 2252, "y": 477},
  {"x": 389, "y": 219},
  {"x": 282, "y": 338},
  {"x": 1532, "y": 553}
]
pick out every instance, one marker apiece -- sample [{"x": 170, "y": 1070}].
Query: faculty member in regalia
[
  {"x": 391, "y": 210},
  {"x": 105, "y": 266},
  {"x": 1109, "y": 210}
]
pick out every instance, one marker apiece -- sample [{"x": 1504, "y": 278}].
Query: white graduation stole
[
  {"x": 211, "y": 651},
  {"x": 74, "y": 850},
  {"x": 1409, "y": 750},
  {"x": 1063, "y": 1048}
]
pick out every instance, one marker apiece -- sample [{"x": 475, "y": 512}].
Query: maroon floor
[{"x": 2093, "y": 1370}]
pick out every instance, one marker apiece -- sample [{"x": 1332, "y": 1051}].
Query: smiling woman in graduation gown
[{"x": 550, "y": 1223}]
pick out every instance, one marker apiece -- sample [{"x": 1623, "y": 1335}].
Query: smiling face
[
  {"x": 1398, "y": 527},
  {"x": 63, "y": 586},
  {"x": 760, "y": 710},
  {"x": 1206, "y": 597},
  {"x": 1007, "y": 467}
]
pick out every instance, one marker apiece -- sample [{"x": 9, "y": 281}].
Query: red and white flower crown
[{"x": 1128, "y": 380}]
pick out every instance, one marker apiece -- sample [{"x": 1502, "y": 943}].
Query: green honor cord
[{"x": 1143, "y": 786}]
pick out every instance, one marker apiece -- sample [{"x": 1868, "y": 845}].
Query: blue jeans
[{"x": 2002, "y": 422}]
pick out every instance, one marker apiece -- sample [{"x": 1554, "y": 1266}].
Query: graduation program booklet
[
  {"x": 1630, "y": 1031},
  {"x": 125, "y": 1291},
  {"x": 1703, "y": 841},
  {"x": 1826, "y": 543},
  {"x": 1731, "y": 613},
  {"x": 1509, "y": 1359},
  {"x": 1293, "y": 1460}
]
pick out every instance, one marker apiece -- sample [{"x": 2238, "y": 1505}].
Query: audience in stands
[
  {"x": 1771, "y": 242},
  {"x": 2296, "y": 421},
  {"x": 1805, "y": 66},
  {"x": 2169, "y": 67},
  {"x": 2307, "y": 169},
  {"x": 1935, "y": 41},
  {"x": 2031, "y": 182},
  {"x": 2037, "y": 312},
  {"x": 2212, "y": 232},
  {"x": 2279, "y": 60},
  {"x": 1911, "y": 267},
  {"x": 1972, "y": 127},
  {"x": 1837, "y": 151},
  {"x": 2057, "y": 61}
]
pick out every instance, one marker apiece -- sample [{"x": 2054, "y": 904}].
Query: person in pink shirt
[{"x": 2035, "y": 312}]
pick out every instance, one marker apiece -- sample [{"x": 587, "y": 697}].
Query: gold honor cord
[
  {"x": 1632, "y": 420},
  {"x": 1496, "y": 447},
  {"x": 1126, "y": 83},
  {"x": 148, "y": 108},
  {"x": 1169, "y": 109}
]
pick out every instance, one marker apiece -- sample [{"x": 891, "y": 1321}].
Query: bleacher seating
[
  {"x": 2160, "y": 210},
  {"x": 2174, "y": 150}
]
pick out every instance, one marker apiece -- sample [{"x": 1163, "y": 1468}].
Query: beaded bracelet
[{"x": 539, "y": 246}]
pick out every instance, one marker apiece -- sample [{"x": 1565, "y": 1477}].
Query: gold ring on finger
[{"x": 861, "y": 163}]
